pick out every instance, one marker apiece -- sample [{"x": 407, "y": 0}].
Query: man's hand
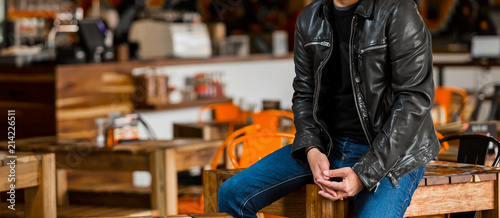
[
  {"x": 319, "y": 164},
  {"x": 348, "y": 187}
]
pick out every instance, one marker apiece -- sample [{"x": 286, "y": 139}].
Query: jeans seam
[{"x": 268, "y": 188}]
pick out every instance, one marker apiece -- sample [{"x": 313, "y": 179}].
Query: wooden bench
[
  {"x": 35, "y": 173},
  {"x": 446, "y": 188}
]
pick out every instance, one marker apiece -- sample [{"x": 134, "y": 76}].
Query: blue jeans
[{"x": 278, "y": 174}]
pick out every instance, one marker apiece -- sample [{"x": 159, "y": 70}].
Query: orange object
[
  {"x": 224, "y": 113},
  {"x": 225, "y": 143},
  {"x": 256, "y": 145},
  {"x": 257, "y": 142},
  {"x": 445, "y": 146},
  {"x": 453, "y": 100},
  {"x": 270, "y": 121}
]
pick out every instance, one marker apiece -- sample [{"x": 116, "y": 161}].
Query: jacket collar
[{"x": 364, "y": 9}]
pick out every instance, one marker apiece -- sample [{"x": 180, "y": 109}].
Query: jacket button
[{"x": 357, "y": 79}]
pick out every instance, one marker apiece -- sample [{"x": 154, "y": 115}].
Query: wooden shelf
[{"x": 185, "y": 104}]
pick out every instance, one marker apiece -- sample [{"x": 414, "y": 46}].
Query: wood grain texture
[
  {"x": 164, "y": 181},
  {"x": 101, "y": 212},
  {"x": 495, "y": 213},
  {"x": 210, "y": 215},
  {"x": 62, "y": 187},
  {"x": 459, "y": 194},
  {"x": 422, "y": 182},
  {"x": 320, "y": 207},
  {"x": 485, "y": 177},
  {"x": 442, "y": 199},
  {"x": 196, "y": 155},
  {"x": 461, "y": 179},
  {"x": 171, "y": 182},
  {"x": 27, "y": 175},
  {"x": 157, "y": 170},
  {"x": 41, "y": 199},
  {"x": 437, "y": 180},
  {"x": 210, "y": 189},
  {"x": 292, "y": 206}
]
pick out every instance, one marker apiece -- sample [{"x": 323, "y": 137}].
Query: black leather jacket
[{"x": 391, "y": 75}]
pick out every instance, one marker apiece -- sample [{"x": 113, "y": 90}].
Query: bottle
[{"x": 100, "y": 128}]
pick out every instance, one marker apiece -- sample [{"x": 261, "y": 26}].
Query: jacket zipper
[
  {"x": 371, "y": 48},
  {"x": 323, "y": 43},
  {"x": 363, "y": 125},
  {"x": 389, "y": 174},
  {"x": 318, "y": 87}
]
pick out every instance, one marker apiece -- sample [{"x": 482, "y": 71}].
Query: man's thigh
[
  {"x": 271, "y": 178},
  {"x": 388, "y": 201}
]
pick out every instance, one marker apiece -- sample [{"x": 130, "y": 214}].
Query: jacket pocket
[
  {"x": 373, "y": 49},
  {"x": 322, "y": 43}
]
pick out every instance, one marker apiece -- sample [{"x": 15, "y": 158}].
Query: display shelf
[{"x": 185, "y": 104}]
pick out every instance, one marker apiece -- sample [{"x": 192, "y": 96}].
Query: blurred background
[{"x": 145, "y": 70}]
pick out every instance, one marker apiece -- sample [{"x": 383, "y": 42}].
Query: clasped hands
[{"x": 349, "y": 186}]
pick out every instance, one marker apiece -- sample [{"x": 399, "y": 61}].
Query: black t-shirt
[{"x": 340, "y": 112}]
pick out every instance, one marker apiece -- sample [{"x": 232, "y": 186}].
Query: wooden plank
[
  {"x": 91, "y": 112},
  {"x": 422, "y": 182},
  {"x": 495, "y": 213},
  {"x": 102, "y": 212},
  {"x": 452, "y": 198},
  {"x": 185, "y": 104},
  {"x": 210, "y": 215},
  {"x": 461, "y": 179},
  {"x": 62, "y": 187},
  {"x": 41, "y": 200},
  {"x": 320, "y": 207},
  {"x": 210, "y": 189},
  {"x": 292, "y": 205},
  {"x": 484, "y": 177},
  {"x": 72, "y": 210},
  {"x": 170, "y": 181},
  {"x": 437, "y": 181},
  {"x": 164, "y": 181},
  {"x": 212, "y": 180},
  {"x": 27, "y": 175}
]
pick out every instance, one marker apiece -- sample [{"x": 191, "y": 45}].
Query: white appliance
[
  {"x": 163, "y": 39},
  {"x": 485, "y": 47}
]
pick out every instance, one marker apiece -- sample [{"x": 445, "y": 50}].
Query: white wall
[
  {"x": 250, "y": 81},
  {"x": 253, "y": 81},
  {"x": 469, "y": 78}
]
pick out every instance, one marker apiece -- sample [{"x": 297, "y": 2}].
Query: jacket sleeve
[
  {"x": 307, "y": 133},
  {"x": 410, "y": 62}
]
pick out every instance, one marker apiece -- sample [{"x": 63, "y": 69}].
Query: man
[{"x": 362, "y": 100}]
